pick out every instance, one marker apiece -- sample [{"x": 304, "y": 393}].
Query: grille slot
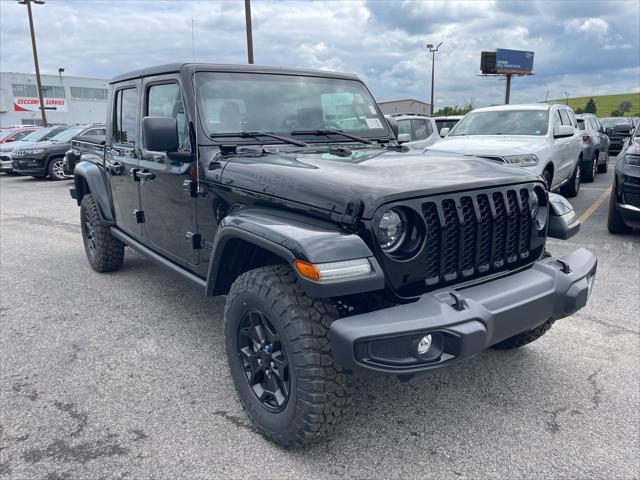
[{"x": 476, "y": 233}]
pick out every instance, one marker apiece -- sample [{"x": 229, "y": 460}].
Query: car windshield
[
  {"x": 37, "y": 135},
  {"x": 255, "y": 102},
  {"x": 6, "y": 133},
  {"x": 611, "y": 122},
  {"x": 66, "y": 135},
  {"x": 503, "y": 122}
]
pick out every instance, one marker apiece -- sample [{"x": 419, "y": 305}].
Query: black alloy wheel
[
  {"x": 89, "y": 237},
  {"x": 264, "y": 361}
]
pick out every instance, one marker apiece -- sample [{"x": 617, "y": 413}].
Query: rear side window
[
  {"x": 565, "y": 117},
  {"x": 581, "y": 124},
  {"x": 419, "y": 129},
  {"x": 126, "y": 116}
]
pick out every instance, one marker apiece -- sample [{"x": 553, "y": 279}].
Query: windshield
[
  {"x": 6, "y": 133},
  {"x": 66, "y": 135},
  {"x": 37, "y": 135},
  {"x": 503, "y": 122},
  {"x": 611, "y": 122},
  {"x": 255, "y": 102}
]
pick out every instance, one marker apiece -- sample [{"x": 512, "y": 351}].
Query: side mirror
[
  {"x": 393, "y": 125},
  {"x": 563, "y": 223},
  {"x": 404, "y": 137},
  {"x": 622, "y": 128},
  {"x": 444, "y": 131},
  {"x": 561, "y": 131},
  {"x": 160, "y": 134},
  {"x": 608, "y": 130}
]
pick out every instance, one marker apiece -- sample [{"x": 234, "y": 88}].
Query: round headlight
[
  {"x": 392, "y": 229},
  {"x": 534, "y": 205}
]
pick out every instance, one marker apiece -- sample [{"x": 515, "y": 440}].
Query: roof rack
[{"x": 399, "y": 114}]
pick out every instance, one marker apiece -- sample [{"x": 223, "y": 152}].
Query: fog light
[{"x": 424, "y": 344}]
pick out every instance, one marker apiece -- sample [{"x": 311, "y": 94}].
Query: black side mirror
[
  {"x": 563, "y": 223},
  {"x": 160, "y": 134},
  {"x": 393, "y": 124}
]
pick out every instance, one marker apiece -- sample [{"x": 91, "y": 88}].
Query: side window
[
  {"x": 419, "y": 128},
  {"x": 557, "y": 121},
  {"x": 572, "y": 118},
  {"x": 565, "y": 117},
  {"x": 126, "y": 116},
  {"x": 19, "y": 135},
  {"x": 404, "y": 127},
  {"x": 94, "y": 132},
  {"x": 166, "y": 101}
]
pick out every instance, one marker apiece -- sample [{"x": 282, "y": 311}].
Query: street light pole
[
  {"x": 35, "y": 56},
  {"x": 433, "y": 70},
  {"x": 247, "y": 15},
  {"x": 567, "y": 95}
]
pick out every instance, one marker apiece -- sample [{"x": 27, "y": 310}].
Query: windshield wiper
[
  {"x": 329, "y": 132},
  {"x": 282, "y": 138}
]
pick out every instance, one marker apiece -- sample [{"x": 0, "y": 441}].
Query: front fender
[
  {"x": 96, "y": 182},
  {"x": 295, "y": 237}
]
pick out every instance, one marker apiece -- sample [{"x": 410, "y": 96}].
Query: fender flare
[
  {"x": 294, "y": 237},
  {"x": 93, "y": 175}
]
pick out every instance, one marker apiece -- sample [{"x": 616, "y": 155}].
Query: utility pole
[
  {"x": 247, "y": 15},
  {"x": 35, "y": 55},
  {"x": 567, "y": 95},
  {"x": 433, "y": 70},
  {"x": 507, "y": 92}
]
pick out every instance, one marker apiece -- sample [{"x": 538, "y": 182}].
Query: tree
[
  {"x": 580, "y": 110},
  {"x": 456, "y": 110},
  {"x": 590, "y": 107},
  {"x": 616, "y": 113},
  {"x": 623, "y": 107}
]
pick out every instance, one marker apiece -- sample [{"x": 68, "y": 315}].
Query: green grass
[{"x": 605, "y": 104}]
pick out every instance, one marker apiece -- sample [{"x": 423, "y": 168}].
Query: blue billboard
[{"x": 513, "y": 61}]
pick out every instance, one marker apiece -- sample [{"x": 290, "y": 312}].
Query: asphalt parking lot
[{"x": 123, "y": 375}]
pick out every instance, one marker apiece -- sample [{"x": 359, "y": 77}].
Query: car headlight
[
  {"x": 392, "y": 229},
  {"x": 35, "y": 151},
  {"x": 632, "y": 160},
  {"x": 522, "y": 160},
  {"x": 534, "y": 205}
]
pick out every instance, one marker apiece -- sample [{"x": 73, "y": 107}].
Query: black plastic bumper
[{"x": 466, "y": 321}]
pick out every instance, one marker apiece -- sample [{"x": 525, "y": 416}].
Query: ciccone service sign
[{"x": 26, "y": 104}]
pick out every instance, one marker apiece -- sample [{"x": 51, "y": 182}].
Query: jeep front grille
[{"x": 468, "y": 236}]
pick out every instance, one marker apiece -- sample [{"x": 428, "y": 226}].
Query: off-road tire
[
  {"x": 589, "y": 174},
  {"x": 602, "y": 168},
  {"x": 615, "y": 223},
  {"x": 320, "y": 390},
  {"x": 108, "y": 251},
  {"x": 572, "y": 188},
  {"x": 55, "y": 169},
  {"x": 524, "y": 338}
]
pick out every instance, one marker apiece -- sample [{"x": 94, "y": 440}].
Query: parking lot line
[{"x": 583, "y": 218}]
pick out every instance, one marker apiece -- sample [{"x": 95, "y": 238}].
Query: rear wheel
[
  {"x": 56, "y": 169},
  {"x": 572, "y": 188},
  {"x": 104, "y": 252},
  {"x": 280, "y": 357},
  {"x": 602, "y": 168},
  {"x": 615, "y": 223},
  {"x": 589, "y": 174}
]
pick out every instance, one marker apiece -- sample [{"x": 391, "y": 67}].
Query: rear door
[
  {"x": 165, "y": 183},
  {"x": 122, "y": 156},
  {"x": 564, "y": 148}
]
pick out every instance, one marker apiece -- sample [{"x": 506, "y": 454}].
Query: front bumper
[
  {"x": 463, "y": 322},
  {"x": 5, "y": 165},
  {"x": 29, "y": 165}
]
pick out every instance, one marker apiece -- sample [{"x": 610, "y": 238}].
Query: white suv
[
  {"x": 542, "y": 138},
  {"x": 416, "y": 131}
]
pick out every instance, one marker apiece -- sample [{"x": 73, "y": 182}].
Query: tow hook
[{"x": 565, "y": 266}]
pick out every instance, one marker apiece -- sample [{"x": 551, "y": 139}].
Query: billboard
[
  {"x": 28, "y": 104},
  {"x": 513, "y": 61}
]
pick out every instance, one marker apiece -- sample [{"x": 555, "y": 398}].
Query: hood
[
  {"x": 20, "y": 144},
  {"x": 373, "y": 176},
  {"x": 491, "y": 144},
  {"x": 49, "y": 145}
]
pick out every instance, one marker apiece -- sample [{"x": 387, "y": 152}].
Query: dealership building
[
  {"x": 68, "y": 100},
  {"x": 406, "y": 105}
]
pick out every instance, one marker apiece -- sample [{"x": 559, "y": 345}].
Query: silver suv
[
  {"x": 595, "y": 146},
  {"x": 416, "y": 131}
]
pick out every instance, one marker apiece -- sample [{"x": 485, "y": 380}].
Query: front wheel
[
  {"x": 615, "y": 222},
  {"x": 604, "y": 166},
  {"x": 56, "y": 169},
  {"x": 524, "y": 338},
  {"x": 280, "y": 357},
  {"x": 104, "y": 252}
]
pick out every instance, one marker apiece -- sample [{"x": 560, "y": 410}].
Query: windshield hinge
[
  {"x": 352, "y": 213},
  {"x": 228, "y": 149}
]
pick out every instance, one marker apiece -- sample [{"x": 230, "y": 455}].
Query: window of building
[
  {"x": 84, "y": 93},
  {"x": 126, "y": 116},
  {"x": 30, "y": 91}
]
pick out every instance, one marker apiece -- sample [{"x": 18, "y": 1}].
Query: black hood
[
  {"x": 50, "y": 146},
  {"x": 373, "y": 176}
]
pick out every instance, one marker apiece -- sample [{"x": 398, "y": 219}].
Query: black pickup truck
[{"x": 337, "y": 249}]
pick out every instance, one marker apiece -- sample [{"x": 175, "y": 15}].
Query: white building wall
[
  {"x": 69, "y": 110},
  {"x": 408, "y": 105}
]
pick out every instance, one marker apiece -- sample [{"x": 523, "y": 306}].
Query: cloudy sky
[{"x": 581, "y": 47}]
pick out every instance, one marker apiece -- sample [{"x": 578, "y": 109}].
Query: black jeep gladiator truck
[{"x": 336, "y": 248}]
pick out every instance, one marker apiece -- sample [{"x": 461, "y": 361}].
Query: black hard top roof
[{"x": 188, "y": 68}]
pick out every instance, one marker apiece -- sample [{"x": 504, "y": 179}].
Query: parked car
[
  {"x": 39, "y": 135},
  {"x": 624, "y": 203},
  {"x": 336, "y": 248},
  {"x": 416, "y": 131},
  {"x": 595, "y": 146},
  {"x": 84, "y": 143},
  {"x": 14, "y": 134},
  {"x": 447, "y": 122},
  {"x": 45, "y": 158},
  {"x": 539, "y": 137},
  {"x": 618, "y": 129}
]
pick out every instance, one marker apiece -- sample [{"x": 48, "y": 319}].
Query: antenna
[
  {"x": 196, "y": 119},
  {"x": 193, "y": 43}
]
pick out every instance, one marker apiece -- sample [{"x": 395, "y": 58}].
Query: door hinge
[
  {"x": 139, "y": 214},
  {"x": 196, "y": 240}
]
